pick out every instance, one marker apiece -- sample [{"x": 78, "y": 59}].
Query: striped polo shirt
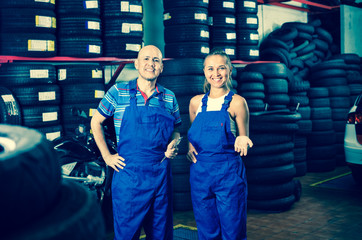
[{"x": 117, "y": 99}]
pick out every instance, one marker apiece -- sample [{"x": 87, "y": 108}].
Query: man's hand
[
  {"x": 114, "y": 161},
  {"x": 171, "y": 151}
]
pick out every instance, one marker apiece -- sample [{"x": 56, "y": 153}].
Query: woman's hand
[
  {"x": 171, "y": 151},
  {"x": 242, "y": 144},
  {"x": 114, "y": 161}
]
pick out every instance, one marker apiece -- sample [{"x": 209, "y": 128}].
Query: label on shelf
[
  {"x": 135, "y": 8},
  {"x": 230, "y": 20},
  {"x": 166, "y": 16},
  {"x": 50, "y": 116},
  {"x": 52, "y": 136},
  {"x": 254, "y": 52},
  {"x": 230, "y": 51},
  {"x": 46, "y": 96},
  {"x": 200, "y": 16},
  {"x": 39, "y": 73},
  {"x": 37, "y": 45},
  {"x": 228, "y": 5},
  {"x": 91, "y": 112},
  {"x": 133, "y": 47},
  {"x": 249, "y": 4},
  {"x": 205, "y": 1},
  {"x": 51, "y": 45},
  {"x": 91, "y": 4},
  {"x": 94, "y": 48},
  {"x": 62, "y": 74},
  {"x": 252, "y": 20},
  {"x": 205, "y": 50},
  {"x": 230, "y": 36},
  {"x": 204, "y": 34},
  {"x": 10, "y": 104},
  {"x": 97, "y": 73},
  {"x": 44, "y": 21},
  {"x": 93, "y": 25},
  {"x": 124, "y": 6},
  {"x": 46, "y": 1},
  {"x": 98, "y": 94},
  {"x": 254, "y": 36}
]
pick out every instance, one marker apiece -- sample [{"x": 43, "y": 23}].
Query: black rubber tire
[
  {"x": 325, "y": 165},
  {"x": 82, "y": 93},
  {"x": 39, "y": 116},
  {"x": 28, "y": 44},
  {"x": 78, "y": 112},
  {"x": 276, "y": 54},
  {"x": 269, "y": 160},
  {"x": 276, "y": 205},
  {"x": 264, "y": 139},
  {"x": 78, "y": 8},
  {"x": 28, "y": 4},
  {"x": 222, "y": 6},
  {"x": 247, "y": 37},
  {"x": 324, "y": 35},
  {"x": 181, "y": 182},
  {"x": 185, "y": 15},
  {"x": 10, "y": 112},
  {"x": 131, "y": 9},
  {"x": 349, "y": 58},
  {"x": 271, "y": 175},
  {"x": 322, "y": 125},
  {"x": 247, "y": 21},
  {"x": 121, "y": 47},
  {"x": 168, "y": 4},
  {"x": 300, "y": 26},
  {"x": 223, "y": 35},
  {"x": 223, "y": 20},
  {"x": 79, "y": 26},
  {"x": 270, "y": 149},
  {"x": 247, "y": 52},
  {"x": 329, "y": 64},
  {"x": 318, "y": 92},
  {"x": 122, "y": 27},
  {"x": 13, "y": 74},
  {"x": 22, "y": 20},
  {"x": 189, "y": 66},
  {"x": 180, "y": 164},
  {"x": 79, "y": 73},
  {"x": 182, "y": 201},
  {"x": 269, "y": 70},
  {"x": 29, "y": 163},
  {"x": 270, "y": 42},
  {"x": 186, "y": 33},
  {"x": 36, "y": 95},
  {"x": 80, "y": 47},
  {"x": 270, "y": 191},
  {"x": 320, "y": 102},
  {"x": 275, "y": 85},
  {"x": 249, "y": 6},
  {"x": 187, "y": 50},
  {"x": 246, "y": 76},
  {"x": 76, "y": 215},
  {"x": 285, "y": 34}
]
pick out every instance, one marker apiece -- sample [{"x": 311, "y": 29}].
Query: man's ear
[{"x": 136, "y": 64}]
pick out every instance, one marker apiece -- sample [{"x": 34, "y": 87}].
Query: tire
[
  {"x": 76, "y": 215},
  {"x": 40, "y": 116},
  {"x": 80, "y": 113},
  {"x": 168, "y": 4},
  {"x": 300, "y": 26},
  {"x": 79, "y": 26},
  {"x": 182, "y": 201},
  {"x": 10, "y": 112},
  {"x": 247, "y": 52},
  {"x": 37, "y": 95},
  {"x": 28, "y": 4},
  {"x": 122, "y": 27},
  {"x": 185, "y": 15},
  {"x": 79, "y": 73},
  {"x": 131, "y": 9},
  {"x": 276, "y": 205},
  {"x": 29, "y": 163},
  {"x": 247, "y": 37},
  {"x": 182, "y": 85},
  {"x": 80, "y": 47},
  {"x": 269, "y": 160},
  {"x": 78, "y": 8},
  {"x": 269, "y": 70},
  {"x": 13, "y": 74},
  {"x": 273, "y": 42},
  {"x": 247, "y": 21},
  {"x": 270, "y": 191},
  {"x": 271, "y": 175},
  {"x": 189, "y": 66},
  {"x": 284, "y": 34},
  {"x": 121, "y": 47},
  {"x": 186, "y": 33},
  {"x": 82, "y": 93},
  {"x": 216, "y": 6},
  {"x": 247, "y": 76},
  {"x": 180, "y": 164},
  {"x": 246, "y": 6},
  {"x": 187, "y": 50}
]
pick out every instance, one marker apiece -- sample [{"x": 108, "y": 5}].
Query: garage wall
[{"x": 351, "y": 30}]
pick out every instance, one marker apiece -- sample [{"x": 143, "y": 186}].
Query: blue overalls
[
  {"x": 142, "y": 191},
  {"x": 218, "y": 178}
]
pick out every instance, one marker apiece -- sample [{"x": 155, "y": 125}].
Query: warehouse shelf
[{"x": 282, "y": 3}]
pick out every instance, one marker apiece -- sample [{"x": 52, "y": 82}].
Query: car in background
[{"x": 353, "y": 140}]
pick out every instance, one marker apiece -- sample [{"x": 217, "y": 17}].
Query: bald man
[{"x": 146, "y": 116}]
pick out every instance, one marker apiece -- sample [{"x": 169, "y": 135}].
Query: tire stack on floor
[
  {"x": 247, "y": 25},
  {"x": 122, "y": 28},
  {"x": 186, "y": 28},
  {"x": 321, "y": 150},
  {"x": 31, "y": 185},
  {"x": 183, "y": 76},
  {"x": 353, "y": 71},
  {"x": 79, "y": 28},
  {"x": 34, "y": 87},
  {"x": 10, "y": 112},
  {"x": 331, "y": 74},
  {"x": 82, "y": 87},
  {"x": 222, "y": 29},
  {"x": 27, "y": 28},
  {"x": 269, "y": 164}
]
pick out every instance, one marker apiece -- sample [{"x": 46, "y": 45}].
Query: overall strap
[
  {"x": 227, "y": 100},
  {"x": 161, "y": 101},
  {"x": 204, "y": 102},
  {"x": 133, "y": 92}
]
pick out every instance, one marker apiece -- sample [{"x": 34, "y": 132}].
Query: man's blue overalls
[
  {"x": 142, "y": 191},
  {"x": 218, "y": 180}
]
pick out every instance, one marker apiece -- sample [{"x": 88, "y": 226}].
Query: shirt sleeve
[
  {"x": 176, "y": 112},
  {"x": 108, "y": 104}
]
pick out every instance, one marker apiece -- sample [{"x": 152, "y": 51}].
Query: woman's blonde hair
[{"x": 220, "y": 52}]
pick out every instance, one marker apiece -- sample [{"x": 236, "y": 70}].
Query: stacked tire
[
  {"x": 79, "y": 28},
  {"x": 122, "y": 28},
  {"x": 49, "y": 207},
  {"x": 270, "y": 163},
  {"x": 321, "y": 150},
  {"x": 185, "y": 86},
  {"x": 223, "y": 26},
  {"x": 247, "y": 24},
  {"x": 82, "y": 87},
  {"x": 27, "y": 28},
  {"x": 34, "y": 87},
  {"x": 186, "y": 28},
  {"x": 331, "y": 74}
]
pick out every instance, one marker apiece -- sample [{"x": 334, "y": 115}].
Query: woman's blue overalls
[
  {"x": 142, "y": 191},
  {"x": 218, "y": 180}
]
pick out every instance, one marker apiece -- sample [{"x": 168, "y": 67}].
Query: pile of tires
[
  {"x": 223, "y": 26},
  {"x": 79, "y": 28},
  {"x": 36, "y": 204},
  {"x": 332, "y": 75},
  {"x": 27, "y": 28},
  {"x": 122, "y": 28},
  {"x": 35, "y": 88},
  {"x": 186, "y": 30},
  {"x": 247, "y": 24},
  {"x": 321, "y": 150},
  {"x": 270, "y": 163},
  {"x": 10, "y": 112},
  {"x": 185, "y": 85},
  {"x": 82, "y": 87}
]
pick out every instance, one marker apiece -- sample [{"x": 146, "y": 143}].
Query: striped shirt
[{"x": 117, "y": 99}]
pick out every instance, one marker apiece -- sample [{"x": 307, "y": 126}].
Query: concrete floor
[{"x": 321, "y": 214}]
